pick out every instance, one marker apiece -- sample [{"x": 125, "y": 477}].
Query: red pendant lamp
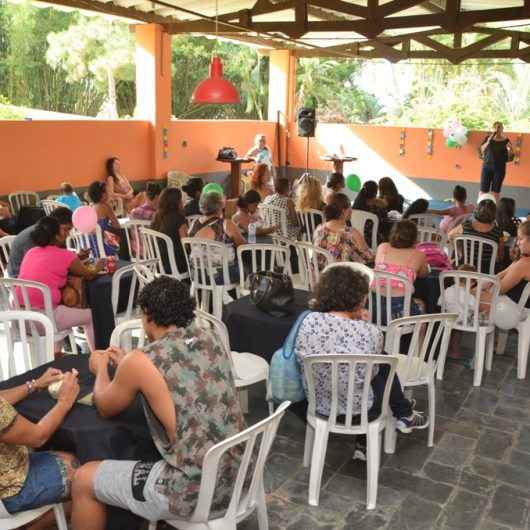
[{"x": 215, "y": 90}]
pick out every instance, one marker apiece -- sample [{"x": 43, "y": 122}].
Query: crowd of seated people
[{"x": 180, "y": 427}]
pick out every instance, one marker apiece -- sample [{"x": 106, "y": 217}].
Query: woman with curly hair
[
  {"x": 183, "y": 378},
  {"x": 309, "y": 194},
  {"x": 338, "y": 326}
]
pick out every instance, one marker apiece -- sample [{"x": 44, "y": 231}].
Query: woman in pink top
[
  {"x": 50, "y": 263},
  {"x": 458, "y": 213},
  {"x": 399, "y": 256}
]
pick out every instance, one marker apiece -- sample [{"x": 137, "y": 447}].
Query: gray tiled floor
[{"x": 476, "y": 477}]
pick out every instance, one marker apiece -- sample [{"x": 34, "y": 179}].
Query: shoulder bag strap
[{"x": 288, "y": 345}]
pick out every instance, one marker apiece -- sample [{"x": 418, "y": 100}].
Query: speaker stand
[{"x": 307, "y": 156}]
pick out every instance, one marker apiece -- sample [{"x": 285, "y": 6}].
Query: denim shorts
[
  {"x": 46, "y": 483},
  {"x": 397, "y": 308}
]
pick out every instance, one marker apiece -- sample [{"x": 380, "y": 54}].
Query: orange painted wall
[
  {"x": 39, "y": 155},
  {"x": 204, "y": 138},
  {"x": 371, "y": 142}
]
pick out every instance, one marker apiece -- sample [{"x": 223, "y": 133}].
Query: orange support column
[
  {"x": 153, "y": 90},
  {"x": 282, "y": 95}
]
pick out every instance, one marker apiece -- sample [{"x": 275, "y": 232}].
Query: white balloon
[{"x": 507, "y": 314}]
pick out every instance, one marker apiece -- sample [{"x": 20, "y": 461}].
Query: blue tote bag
[{"x": 285, "y": 379}]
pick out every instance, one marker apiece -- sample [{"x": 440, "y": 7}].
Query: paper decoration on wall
[
  {"x": 430, "y": 141},
  {"x": 165, "y": 142},
  {"x": 517, "y": 149},
  {"x": 402, "y": 137}
]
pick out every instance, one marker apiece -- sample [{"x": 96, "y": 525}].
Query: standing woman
[
  {"x": 118, "y": 186},
  {"x": 495, "y": 151}
]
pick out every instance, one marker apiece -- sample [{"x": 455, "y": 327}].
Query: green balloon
[
  {"x": 213, "y": 187},
  {"x": 451, "y": 143},
  {"x": 353, "y": 182}
]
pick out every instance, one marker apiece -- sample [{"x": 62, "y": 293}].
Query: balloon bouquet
[{"x": 455, "y": 134}]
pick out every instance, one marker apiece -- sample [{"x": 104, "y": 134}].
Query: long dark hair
[
  {"x": 109, "y": 164},
  {"x": 169, "y": 214},
  {"x": 368, "y": 191},
  {"x": 418, "y": 207},
  {"x": 506, "y": 213},
  {"x": 45, "y": 232},
  {"x": 387, "y": 188}
]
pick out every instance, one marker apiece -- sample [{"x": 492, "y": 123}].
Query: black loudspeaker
[{"x": 307, "y": 122}]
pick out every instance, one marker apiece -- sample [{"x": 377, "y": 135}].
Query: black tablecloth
[
  {"x": 254, "y": 331},
  {"x": 87, "y": 434},
  {"x": 99, "y": 299}
]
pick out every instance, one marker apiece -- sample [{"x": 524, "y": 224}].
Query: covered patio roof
[{"x": 455, "y": 30}]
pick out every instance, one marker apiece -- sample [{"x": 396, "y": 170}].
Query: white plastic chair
[
  {"x": 134, "y": 237},
  {"x": 381, "y": 287},
  {"x": 469, "y": 250},
  {"x": 123, "y": 333},
  {"x": 319, "y": 427},
  {"x": 146, "y": 271},
  {"x": 117, "y": 278},
  {"x": 247, "y": 368},
  {"x": 418, "y": 365},
  {"x": 311, "y": 260},
  {"x": 309, "y": 220},
  {"x": 31, "y": 330},
  {"x": 19, "y": 199},
  {"x": 10, "y": 522},
  {"x": 255, "y": 449},
  {"x": 206, "y": 259},
  {"x": 9, "y": 300},
  {"x": 50, "y": 205},
  {"x": 523, "y": 330},
  {"x": 358, "y": 267},
  {"x": 78, "y": 241},
  {"x": 151, "y": 250},
  {"x": 359, "y": 218},
  {"x": 6, "y": 243},
  {"x": 426, "y": 220},
  {"x": 432, "y": 235},
  {"x": 471, "y": 320},
  {"x": 263, "y": 257},
  {"x": 274, "y": 216}
]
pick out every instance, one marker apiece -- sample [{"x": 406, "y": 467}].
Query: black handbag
[
  {"x": 226, "y": 153},
  {"x": 272, "y": 292}
]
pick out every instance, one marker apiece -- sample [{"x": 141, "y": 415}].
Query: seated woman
[
  {"x": 50, "y": 263},
  {"x": 509, "y": 224},
  {"x": 169, "y": 220},
  {"x": 458, "y": 213},
  {"x": 482, "y": 225},
  {"x": 247, "y": 213},
  {"x": 342, "y": 241},
  {"x": 28, "y": 479},
  {"x": 309, "y": 194},
  {"x": 388, "y": 193},
  {"x": 368, "y": 201},
  {"x": 260, "y": 180},
  {"x": 146, "y": 211},
  {"x": 7, "y": 221},
  {"x": 399, "y": 256},
  {"x": 335, "y": 183},
  {"x": 107, "y": 220},
  {"x": 282, "y": 200},
  {"x": 118, "y": 186},
  {"x": 418, "y": 207},
  {"x": 339, "y": 326},
  {"x": 193, "y": 188},
  {"x": 69, "y": 197},
  {"x": 212, "y": 226},
  {"x": 260, "y": 152}
]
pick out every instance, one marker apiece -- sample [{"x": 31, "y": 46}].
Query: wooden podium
[{"x": 235, "y": 174}]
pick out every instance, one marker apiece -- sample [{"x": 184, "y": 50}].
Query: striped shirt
[{"x": 493, "y": 235}]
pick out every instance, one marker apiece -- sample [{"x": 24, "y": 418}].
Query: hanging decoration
[
  {"x": 455, "y": 134},
  {"x": 165, "y": 142},
  {"x": 517, "y": 149},
  {"x": 215, "y": 89},
  {"x": 430, "y": 141},
  {"x": 402, "y": 137}
]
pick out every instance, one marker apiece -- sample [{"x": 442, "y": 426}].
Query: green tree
[{"x": 97, "y": 48}]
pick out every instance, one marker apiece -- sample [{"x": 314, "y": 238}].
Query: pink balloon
[{"x": 85, "y": 219}]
